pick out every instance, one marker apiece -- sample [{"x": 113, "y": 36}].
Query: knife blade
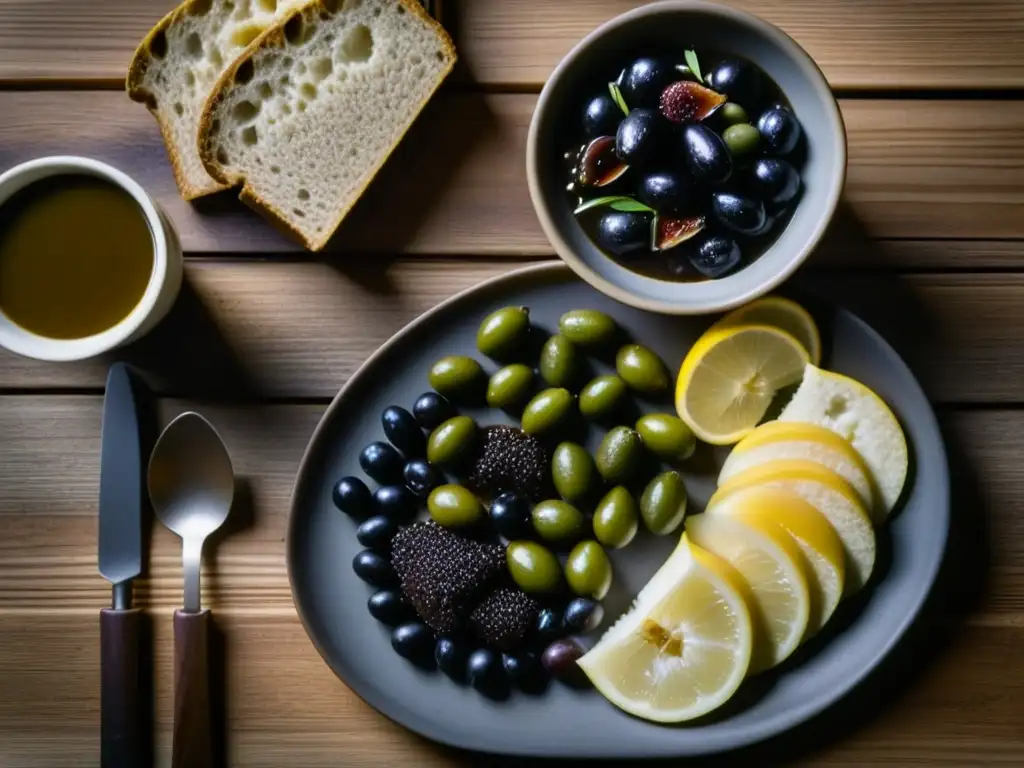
[{"x": 120, "y": 561}]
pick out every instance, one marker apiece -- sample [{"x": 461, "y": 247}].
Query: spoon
[{"x": 191, "y": 485}]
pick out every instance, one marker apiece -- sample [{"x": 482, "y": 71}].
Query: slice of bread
[
  {"x": 179, "y": 62},
  {"x": 309, "y": 113}
]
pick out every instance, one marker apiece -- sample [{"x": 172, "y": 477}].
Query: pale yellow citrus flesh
[
  {"x": 685, "y": 646},
  {"x": 831, "y": 495},
  {"x": 775, "y": 571},
  {"x": 730, "y": 377},
  {"x": 819, "y": 543},
  {"x": 781, "y": 313}
]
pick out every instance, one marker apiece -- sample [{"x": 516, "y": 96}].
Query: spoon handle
[
  {"x": 193, "y": 743},
  {"x": 121, "y": 704}
]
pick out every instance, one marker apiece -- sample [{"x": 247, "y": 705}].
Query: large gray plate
[{"x": 331, "y": 601}]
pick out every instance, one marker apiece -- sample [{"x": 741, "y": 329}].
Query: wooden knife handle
[
  {"x": 121, "y": 706},
  {"x": 193, "y": 743}
]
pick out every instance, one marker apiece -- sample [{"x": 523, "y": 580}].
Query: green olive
[
  {"x": 587, "y": 327},
  {"x": 573, "y": 471},
  {"x": 546, "y": 411},
  {"x": 619, "y": 454},
  {"x": 732, "y": 113},
  {"x": 455, "y": 375},
  {"x": 556, "y": 521},
  {"x": 533, "y": 567},
  {"x": 641, "y": 369},
  {"x": 503, "y": 332},
  {"x": 451, "y": 441},
  {"x": 558, "y": 361},
  {"x": 509, "y": 386},
  {"x": 663, "y": 503},
  {"x": 601, "y": 396},
  {"x": 454, "y": 506},
  {"x": 666, "y": 436},
  {"x": 588, "y": 570},
  {"x": 616, "y": 518},
  {"x": 741, "y": 139}
]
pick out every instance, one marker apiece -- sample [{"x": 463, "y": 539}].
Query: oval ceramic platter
[{"x": 565, "y": 722}]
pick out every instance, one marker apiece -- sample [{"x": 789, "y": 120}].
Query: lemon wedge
[
  {"x": 776, "y": 440},
  {"x": 684, "y": 648},
  {"x": 781, "y": 313},
  {"x": 855, "y": 412},
  {"x": 775, "y": 571},
  {"x": 831, "y": 495},
  {"x": 819, "y": 543},
  {"x": 730, "y": 376}
]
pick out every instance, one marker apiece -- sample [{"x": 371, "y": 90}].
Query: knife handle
[
  {"x": 193, "y": 742},
  {"x": 121, "y": 705}
]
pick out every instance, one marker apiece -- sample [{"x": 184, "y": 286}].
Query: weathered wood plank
[{"x": 918, "y": 169}]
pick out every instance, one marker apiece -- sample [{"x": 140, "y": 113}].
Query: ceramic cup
[{"x": 161, "y": 291}]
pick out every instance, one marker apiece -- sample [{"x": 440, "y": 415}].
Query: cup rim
[
  {"x": 24, "y": 342},
  {"x": 745, "y": 293}
]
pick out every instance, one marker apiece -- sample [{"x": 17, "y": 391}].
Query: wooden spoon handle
[
  {"x": 121, "y": 705},
  {"x": 193, "y": 743}
]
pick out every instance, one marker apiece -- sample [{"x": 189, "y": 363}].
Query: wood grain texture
[
  {"x": 880, "y": 44},
  {"x": 283, "y": 330},
  {"x": 917, "y": 169}
]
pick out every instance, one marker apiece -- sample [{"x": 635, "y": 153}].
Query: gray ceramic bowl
[{"x": 680, "y": 24}]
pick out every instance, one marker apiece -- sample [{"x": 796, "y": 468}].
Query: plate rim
[{"x": 777, "y": 726}]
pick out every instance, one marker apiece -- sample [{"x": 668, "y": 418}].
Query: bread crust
[
  {"x": 274, "y": 37},
  {"x": 137, "y": 91}
]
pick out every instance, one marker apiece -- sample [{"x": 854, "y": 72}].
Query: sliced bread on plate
[
  {"x": 179, "y": 62},
  {"x": 306, "y": 117}
]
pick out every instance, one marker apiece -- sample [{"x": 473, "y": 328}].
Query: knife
[{"x": 120, "y": 561}]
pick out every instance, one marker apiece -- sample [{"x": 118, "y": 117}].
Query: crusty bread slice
[
  {"x": 309, "y": 113},
  {"x": 179, "y": 62}
]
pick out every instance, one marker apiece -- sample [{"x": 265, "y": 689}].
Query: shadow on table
[{"x": 889, "y": 304}]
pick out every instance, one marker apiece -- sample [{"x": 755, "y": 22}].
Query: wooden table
[{"x": 929, "y": 247}]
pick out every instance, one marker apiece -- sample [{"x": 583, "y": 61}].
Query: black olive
[
  {"x": 420, "y": 477},
  {"x": 665, "y": 191},
  {"x": 402, "y": 430},
  {"x": 376, "y": 532},
  {"x": 775, "y": 181},
  {"x": 451, "y": 654},
  {"x": 738, "y": 213},
  {"x": 582, "y": 615},
  {"x": 432, "y": 410},
  {"x": 389, "y": 607},
  {"x": 601, "y": 117},
  {"x": 415, "y": 642},
  {"x": 525, "y": 671},
  {"x": 738, "y": 79},
  {"x": 395, "y": 503},
  {"x": 374, "y": 569},
  {"x": 640, "y": 136},
  {"x": 644, "y": 80},
  {"x": 780, "y": 130},
  {"x": 706, "y": 155},
  {"x": 715, "y": 256},
  {"x": 487, "y": 674},
  {"x": 559, "y": 659},
  {"x": 620, "y": 233},
  {"x": 548, "y": 627},
  {"x": 381, "y": 462},
  {"x": 352, "y": 497},
  {"x": 510, "y": 514}
]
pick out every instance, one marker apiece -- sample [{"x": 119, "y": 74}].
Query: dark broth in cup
[{"x": 76, "y": 256}]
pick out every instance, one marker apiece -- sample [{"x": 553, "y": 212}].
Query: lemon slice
[
  {"x": 831, "y": 495},
  {"x": 776, "y": 440},
  {"x": 781, "y": 313},
  {"x": 730, "y": 377},
  {"x": 684, "y": 648},
  {"x": 819, "y": 543},
  {"x": 774, "y": 569},
  {"x": 855, "y": 412}
]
